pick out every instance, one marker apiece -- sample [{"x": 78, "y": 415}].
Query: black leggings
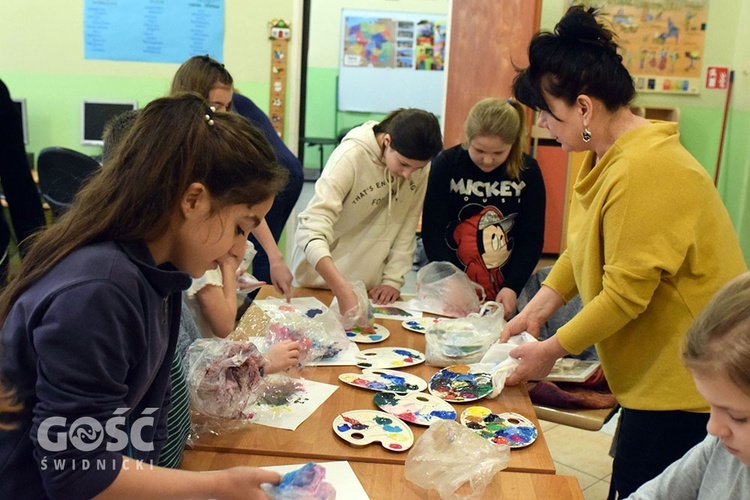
[{"x": 647, "y": 442}]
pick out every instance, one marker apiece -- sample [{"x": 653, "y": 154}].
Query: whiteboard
[{"x": 390, "y": 60}]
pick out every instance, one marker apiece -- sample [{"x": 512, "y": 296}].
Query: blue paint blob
[
  {"x": 408, "y": 354},
  {"x": 344, "y": 428},
  {"x": 444, "y": 414},
  {"x": 311, "y": 313},
  {"x": 392, "y": 428},
  {"x": 375, "y": 337},
  {"x": 351, "y": 334}
]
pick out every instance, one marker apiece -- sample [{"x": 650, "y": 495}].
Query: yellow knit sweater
[{"x": 649, "y": 243}]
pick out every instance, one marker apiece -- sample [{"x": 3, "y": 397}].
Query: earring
[{"x": 586, "y": 135}]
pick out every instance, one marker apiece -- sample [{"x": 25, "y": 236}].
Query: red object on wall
[
  {"x": 553, "y": 162},
  {"x": 717, "y": 78}
]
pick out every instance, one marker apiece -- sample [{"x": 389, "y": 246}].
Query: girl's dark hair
[
  {"x": 200, "y": 74},
  {"x": 174, "y": 142},
  {"x": 579, "y": 57},
  {"x": 415, "y": 134}
]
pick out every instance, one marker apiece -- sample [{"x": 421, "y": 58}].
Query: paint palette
[
  {"x": 420, "y": 325},
  {"x": 384, "y": 381},
  {"x": 357, "y": 335},
  {"x": 389, "y": 357},
  {"x": 363, "y": 427},
  {"x": 415, "y": 408},
  {"x": 461, "y": 383},
  {"x": 508, "y": 428}
]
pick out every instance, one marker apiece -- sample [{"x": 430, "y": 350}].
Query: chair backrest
[{"x": 62, "y": 172}]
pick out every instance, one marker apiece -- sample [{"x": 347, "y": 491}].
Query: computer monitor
[
  {"x": 21, "y": 106},
  {"x": 95, "y": 114}
]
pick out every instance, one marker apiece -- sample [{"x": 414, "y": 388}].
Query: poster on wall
[
  {"x": 661, "y": 43},
  {"x": 390, "y": 60},
  {"x": 153, "y": 30}
]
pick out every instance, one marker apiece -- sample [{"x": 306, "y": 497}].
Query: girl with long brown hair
[{"x": 89, "y": 326}]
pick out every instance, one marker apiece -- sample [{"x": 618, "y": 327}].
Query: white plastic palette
[
  {"x": 416, "y": 407},
  {"x": 357, "y": 335},
  {"x": 382, "y": 380},
  {"x": 508, "y": 428},
  {"x": 363, "y": 427},
  {"x": 461, "y": 383},
  {"x": 389, "y": 357},
  {"x": 420, "y": 325}
]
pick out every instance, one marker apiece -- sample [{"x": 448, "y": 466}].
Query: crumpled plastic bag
[
  {"x": 432, "y": 462},
  {"x": 360, "y": 316},
  {"x": 499, "y": 363},
  {"x": 444, "y": 289},
  {"x": 321, "y": 337},
  {"x": 464, "y": 340},
  {"x": 306, "y": 483},
  {"x": 222, "y": 375}
]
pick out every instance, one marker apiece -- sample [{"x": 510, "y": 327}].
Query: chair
[{"x": 61, "y": 173}]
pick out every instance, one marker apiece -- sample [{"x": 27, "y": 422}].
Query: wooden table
[
  {"x": 387, "y": 481},
  {"x": 315, "y": 439}
]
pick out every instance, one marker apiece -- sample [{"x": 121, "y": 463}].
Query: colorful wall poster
[
  {"x": 661, "y": 43},
  {"x": 368, "y": 42}
]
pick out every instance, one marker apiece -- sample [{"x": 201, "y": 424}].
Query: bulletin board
[
  {"x": 391, "y": 60},
  {"x": 661, "y": 43}
]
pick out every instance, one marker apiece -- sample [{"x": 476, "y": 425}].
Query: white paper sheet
[
  {"x": 346, "y": 357},
  {"x": 290, "y": 415},
  {"x": 339, "y": 474},
  {"x": 307, "y": 306},
  {"x": 399, "y": 310}
]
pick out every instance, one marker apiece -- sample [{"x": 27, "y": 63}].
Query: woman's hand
[
  {"x": 507, "y": 297},
  {"x": 384, "y": 294},
  {"x": 536, "y": 360},
  {"x": 282, "y": 355}
]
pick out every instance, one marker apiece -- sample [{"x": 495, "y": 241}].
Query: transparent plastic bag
[
  {"x": 464, "y": 340},
  {"x": 321, "y": 337},
  {"x": 444, "y": 289},
  {"x": 361, "y": 316},
  {"x": 222, "y": 375},
  {"x": 432, "y": 463},
  {"x": 307, "y": 482}
]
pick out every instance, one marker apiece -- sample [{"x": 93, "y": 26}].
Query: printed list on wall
[{"x": 168, "y": 31}]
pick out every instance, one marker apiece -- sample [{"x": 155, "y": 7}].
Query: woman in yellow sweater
[{"x": 649, "y": 243}]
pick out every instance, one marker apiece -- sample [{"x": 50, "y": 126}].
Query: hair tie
[{"x": 209, "y": 116}]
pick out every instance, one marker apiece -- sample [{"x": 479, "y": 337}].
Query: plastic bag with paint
[
  {"x": 321, "y": 337},
  {"x": 362, "y": 315},
  {"x": 222, "y": 375},
  {"x": 464, "y": 340},
  {"x": 444, "y": 289},
  {"x": 307, "y": 482},
  {"x": 497, "y": 361},
  {"x": 433, "y": 464}
]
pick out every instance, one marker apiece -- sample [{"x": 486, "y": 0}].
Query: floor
[{"x": 576, "y": 452}]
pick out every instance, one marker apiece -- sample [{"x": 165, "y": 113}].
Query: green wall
[{"x": 41, "y": 59}]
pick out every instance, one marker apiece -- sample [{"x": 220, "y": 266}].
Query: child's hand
[
  {"x": 282, "y": 355},
  {"x": 281, "y": 277},
  {"x": 507, "y": 298},
  {"x": 244, "y": 483},
  {"x": 248, "y": 282},
  {"x": 384, "y": 294}
]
